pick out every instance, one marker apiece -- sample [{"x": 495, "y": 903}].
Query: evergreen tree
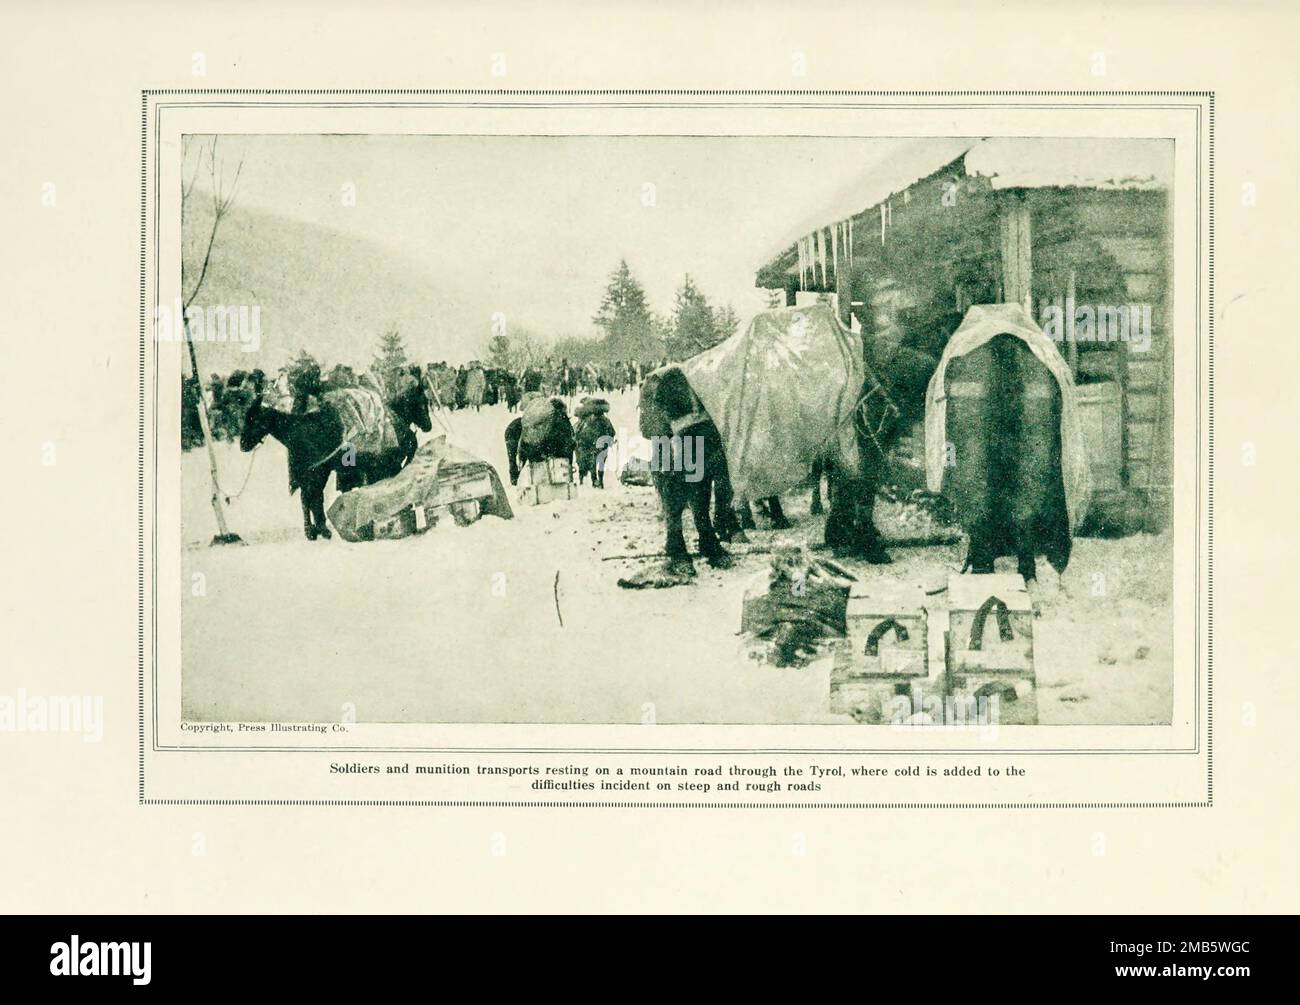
[
  {"x": 694, "y": 327},
  {"x": 630, "y": 329},
  {"x": 391, "y": 357},
  {"x": 726, "y": 322},
  {"x": 499, "y": 354}
]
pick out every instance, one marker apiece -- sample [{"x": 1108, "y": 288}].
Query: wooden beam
[{"x": 1017, "y": 252}]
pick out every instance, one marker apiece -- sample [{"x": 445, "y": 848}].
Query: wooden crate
[
  {"x": 463, "y": 512},
  {"x": 462, "y": 489},
  {"x": 877, "y": 701},
  {"x": 883, "y": 667},
  {"x": 552, "y": 471},
  {"x": 887, "y": 630},
  {"x": 401, "y": 524},
  {"x": 551, "y": 480},
  {"x": 458, "y": 497},
  {"x": 990, "y": 645},
  {"x": 540, "y": 493}
]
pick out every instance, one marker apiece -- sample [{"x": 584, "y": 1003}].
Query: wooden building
[{"x": 1076, "y": 229}]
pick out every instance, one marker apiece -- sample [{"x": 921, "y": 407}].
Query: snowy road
[{"x": 460, "y": 624}]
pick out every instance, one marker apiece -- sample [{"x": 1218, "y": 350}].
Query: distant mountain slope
[{"x": 330, "y": 293}]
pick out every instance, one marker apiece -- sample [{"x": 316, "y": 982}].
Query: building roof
[
  {"x": 1007, "y": 162},
  {"x": 1102, "y": 163},
  {"x": 919, "y": 159}
]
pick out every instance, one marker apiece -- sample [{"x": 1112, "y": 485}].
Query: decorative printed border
[{"x": 1209, "y": 96}]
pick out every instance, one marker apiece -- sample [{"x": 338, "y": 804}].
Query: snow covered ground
[{"x": 461, "y": 624}]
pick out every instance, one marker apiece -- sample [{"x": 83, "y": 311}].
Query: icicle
[
  {"x": 835, "y": 251},
  {"x": 821, "y": 254}
]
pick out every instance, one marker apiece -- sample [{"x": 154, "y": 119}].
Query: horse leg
[
  {"x": 725, "y": 524},
  {"x": 308, "y": 526},
  {"x": 816, "y": 508},
  {"x": 514, "y": 432},
  {"x": 745, "y": 515},
  {"x": 841, "y": 521},
  {"x": 777, "y": 514},
  {"x": 670, "y": 487},
  {"x": 871, "y": 540},
  {"x": 710, "y": 547},
  {"x": 318, "y": 507},
  {"x": 980, "y": 551},
  {"x": 313, "y": 494}
]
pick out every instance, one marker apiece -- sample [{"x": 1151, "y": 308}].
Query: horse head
[
  {"x": 256, "y": 425},
  {"x": 411, "y": 403},
  {"x": 903, "y": 374}
]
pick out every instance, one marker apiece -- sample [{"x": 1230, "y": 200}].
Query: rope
[
  {"x": 247, "y": 476},
  {"x": 887, "y": 417}
]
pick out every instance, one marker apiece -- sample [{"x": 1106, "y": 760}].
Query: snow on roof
[
  {"x": 913, "y": 162},
  {"x": 1104, "y": 163},
  {"x": 1008, "y": 162}
]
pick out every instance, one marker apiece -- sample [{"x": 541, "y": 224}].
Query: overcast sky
[{"x": 532, "y": 226}]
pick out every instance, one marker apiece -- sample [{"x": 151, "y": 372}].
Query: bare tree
[{"x": 222, "y": 200}]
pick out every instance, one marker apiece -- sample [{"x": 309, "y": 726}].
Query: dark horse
[
  {"x": 314, "y": 441},
  {"x": 409, "y": 407},
  {"x": 674, "y": 422},
  {"x": 892, "y": 399},
  {"x": 1004, "y": 424},
  {"x": 558, "y": 441}
]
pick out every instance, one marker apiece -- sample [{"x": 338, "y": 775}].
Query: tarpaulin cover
[
  {"x": 417, "y": 484},
  {"x": 781, "y": 393},
  {"x": 367, "y": 424},
  {"x": 982, "y": 323},
  {"x": 539, "y": 416}
]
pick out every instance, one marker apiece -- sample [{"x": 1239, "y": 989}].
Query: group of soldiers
[
  {"x": 473, "y": 385},
  {"x": 470, "y": 385}
]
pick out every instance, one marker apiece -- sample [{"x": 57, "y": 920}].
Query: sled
[{"x": 441, "y": 481}]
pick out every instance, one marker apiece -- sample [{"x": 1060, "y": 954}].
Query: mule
[
  {"x": 312, "y": 440},
  {"x": 892, "y": 399},
  {"x": 315, "y": 443},
  {"x": 1004, "y": 424},
  {"x": 557, "y": 441},
  {"x": 409, "y": 407}
]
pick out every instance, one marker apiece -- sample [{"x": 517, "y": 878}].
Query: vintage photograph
[{"x": 683, "y": 429}]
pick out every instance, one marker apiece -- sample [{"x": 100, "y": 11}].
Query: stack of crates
[
  {"x": 883, "y": 666},
  {"x": 550, "y": 480},
  {"x": 990, "y": 647}
]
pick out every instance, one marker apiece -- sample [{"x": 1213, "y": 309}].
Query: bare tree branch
[{"x": 221, "y": 204}]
